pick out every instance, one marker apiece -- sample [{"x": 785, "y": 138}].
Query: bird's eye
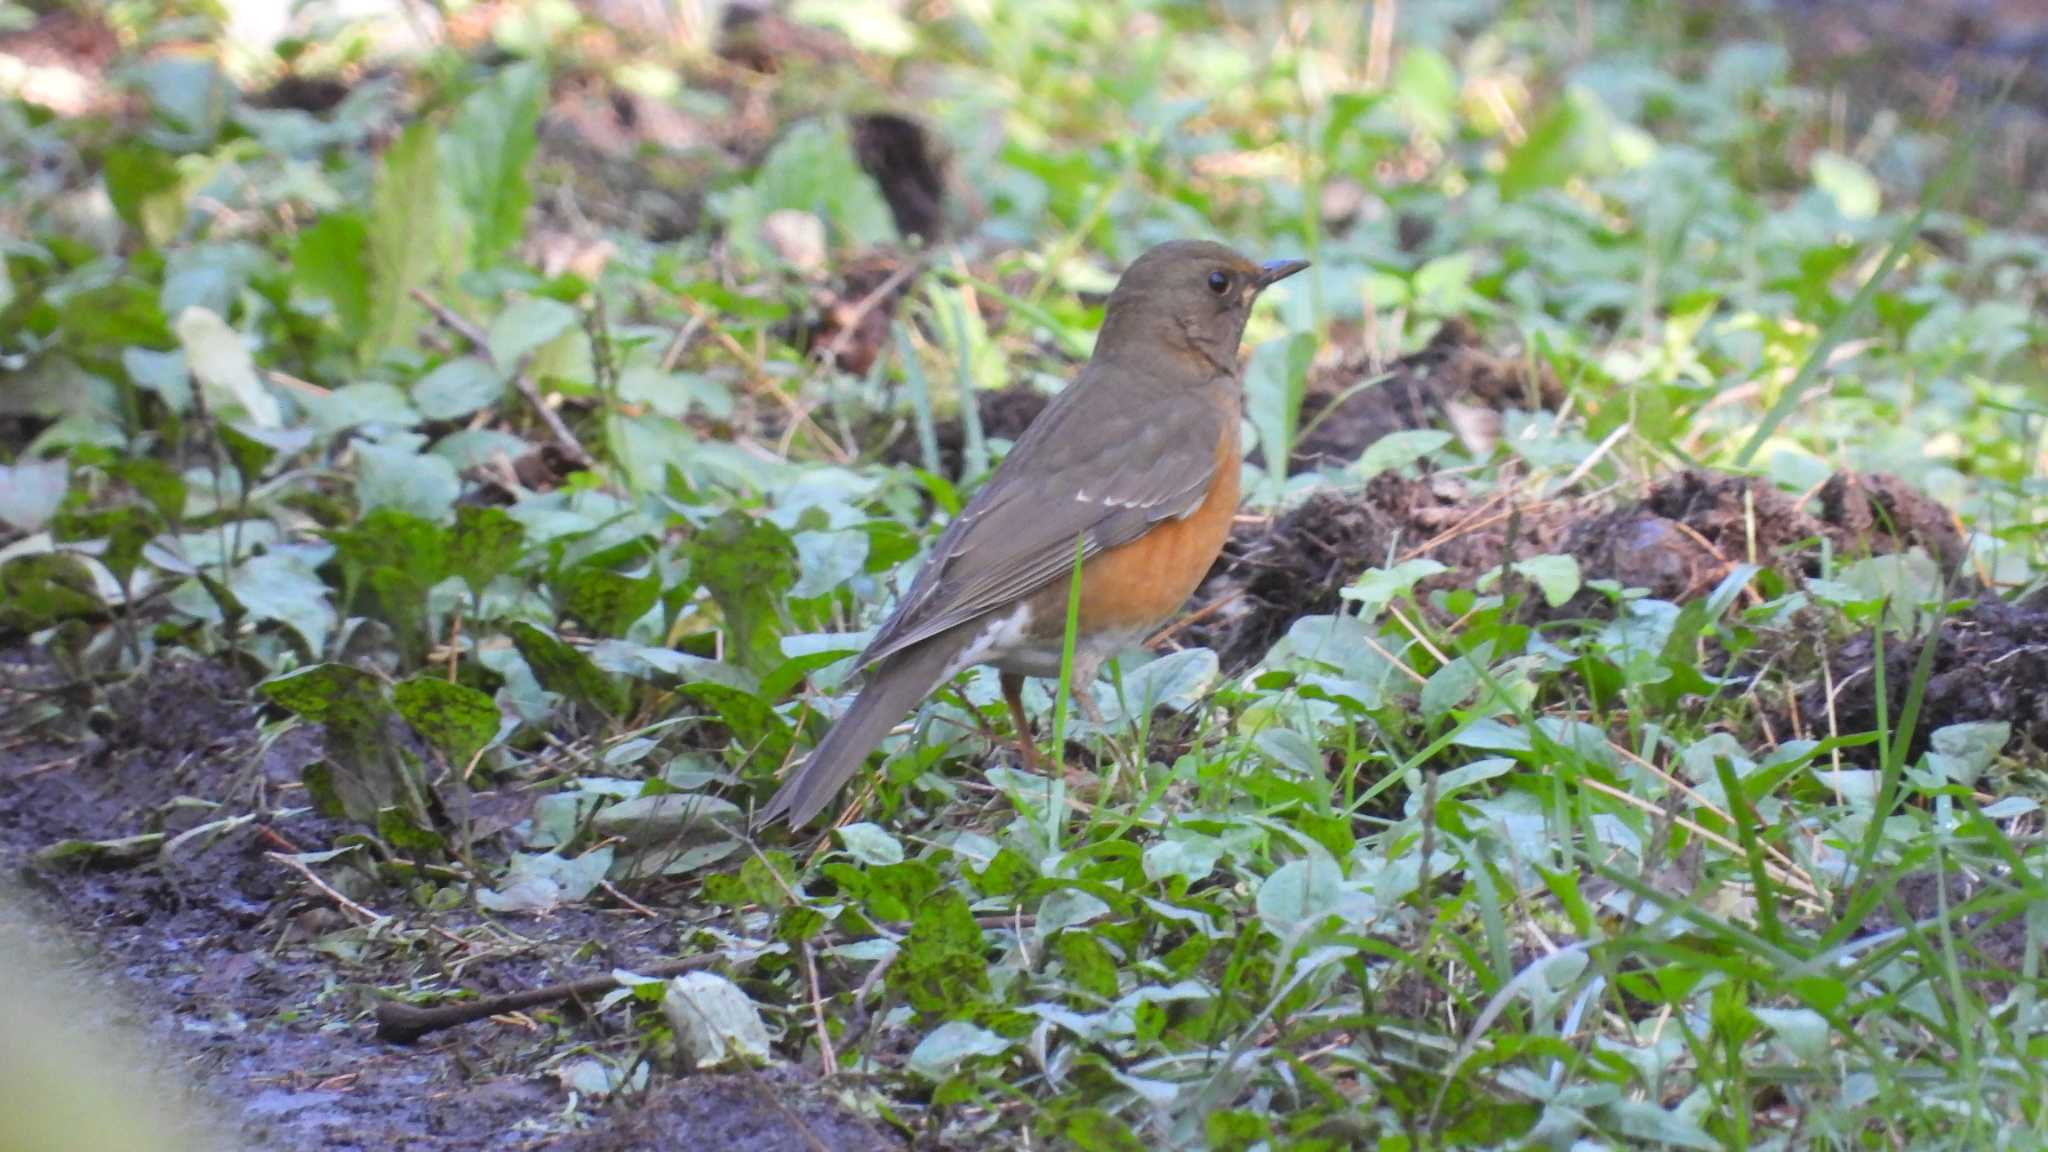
[{"x": 1219, "y": 282}]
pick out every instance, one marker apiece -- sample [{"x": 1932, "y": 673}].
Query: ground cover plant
[{"x": 451, "y": 453}]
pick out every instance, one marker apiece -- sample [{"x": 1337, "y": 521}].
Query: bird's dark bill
[{"x": 1274, "y": 271}]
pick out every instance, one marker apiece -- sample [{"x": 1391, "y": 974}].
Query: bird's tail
[{"x": 895, "y": 686}]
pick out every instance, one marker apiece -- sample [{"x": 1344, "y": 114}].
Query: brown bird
[{"x": 1136, "y": 460}]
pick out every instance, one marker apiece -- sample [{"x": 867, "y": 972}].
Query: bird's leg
[
  {"x": 1087, "y": 666},
  {"x": 1013, "y": 695}
]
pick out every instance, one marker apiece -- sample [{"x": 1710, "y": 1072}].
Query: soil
[
  {"x": 250, "y": 981},
  {"x": 1990, "y": 663},
  {"x": 1920, "y": 896},
  {"x": 1342, "y": 418},
  {"x": 909, "y": 163},
  {"x": 1678, "y": 541}
]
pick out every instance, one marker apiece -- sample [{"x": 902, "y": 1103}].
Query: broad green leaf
[
  {"x": 1557, "y": 577},
  {"x": 871, "y": 844},
  {"x": 484, "y": 545},
  {"x": 714, "y": 1021},
  {"x": 941, "y": 967},
  {"x": 1398, "y": 450},
  {"x": 455, "y": 718},
  {"x": 226, "y": 372},
  {"x": 486, "y": 151},
  {"x": 606, "y": 602},
  {"x": 561, "y": 668},
  {"x": 398, "y": 476},
  {"x": 331, "y": 265},
  {"x": 1376, "y": 588},
  {"x": 369, "y": 774},
  {"x": 41, "y": 589},
  {"x": 748, "y": 564},
  {"x": 811, "y": 169},
  {"x": 457, "y": 388},
  {"x": 31, "y": 491},
  {"x": 144, "y": 184},
  {"x": 408, "y": 236},
  {"x": 280, "y": 586},
  {"x": 952, "y": 1044},
  {"x": 528, "y": 325},
  {"x": 1848, "y": 183}
]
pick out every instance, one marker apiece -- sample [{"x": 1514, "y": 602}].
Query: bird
[{"x": 1134, "y": 465}]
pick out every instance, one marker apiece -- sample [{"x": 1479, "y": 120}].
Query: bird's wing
[{"x": 1103, "y": 463}]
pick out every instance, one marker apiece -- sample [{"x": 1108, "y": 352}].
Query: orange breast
[{"x": 1144, "y": 582}]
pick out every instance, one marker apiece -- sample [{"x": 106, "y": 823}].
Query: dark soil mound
[
  {"x": 1454, "y": 368},
  {"x": 1990, "y": 663}
]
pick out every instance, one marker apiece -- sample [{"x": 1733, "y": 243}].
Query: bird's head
[{"x": 1190, "y": 297}]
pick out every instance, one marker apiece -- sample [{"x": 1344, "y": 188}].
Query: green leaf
[
  {"x": 485, "y": 544},
  {"x": 561, "y": 668},
  {"x": 123, "y": 530},
  {"x": 398, "y": 476},
  {"x": 407, "y": 835},
  {"x": 280, "y": 586},
  {"x": 1848, "y": 183},
  {"x": 31, "y": 491},
  {"x": 714, "y": 1021},
  {"x": 220, "y": 361},
  {"x": 407, "y": 234},
  {"x": 1425, "y": 91},
  {"x": 486, "y": 152},
  {"x": 941, "y": 967},
  {"x": 141, "y": 181},
  {"x": 952, "y": 1044},
  {"x": 1087, "y": 963},
  {"x": 1398, "y": 450},
  {"x": 871, "y": 844},
  {"x": 748, "y": 564},
  {"x": 529, "y": 325},
  {"x": 155, "y": 481},
  {"x": 458, "y": 388},
  {"x": 369, "y": 775},
  {"x": 455, "y": 718},
  {"x": 811, "y": 169},
  {"x": 1376, "y": 588},
  {"x": 330, "y": 264},
  {"x": 606, "y": 602},
  {"x": 399, "y": 557},
  {"x": 1557, "y": 577},
  {"x": 41, "y": 589}
]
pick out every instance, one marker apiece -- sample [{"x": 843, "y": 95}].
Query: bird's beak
[{"x": 1274, "y": 271}]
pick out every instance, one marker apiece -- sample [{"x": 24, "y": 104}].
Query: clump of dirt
[
  {"x": 774, "y": 1110},
  {"x": 1871, "y": 513},
  {"x": 1276, "y": 571},
  {"x": 1455, "y": 368},
  {"x": 1681, "y": 539},
  {"x": 909, "y": 164},
  {"x": 758, "y": 38},
  {"x": 1990, "y": 663},
  {"x": 855, "y": 314}
]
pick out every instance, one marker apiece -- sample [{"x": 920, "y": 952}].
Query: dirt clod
[
  {"x": 910, "y": 166},
  {"x": 854, "y": 316},
  {"x": 1990, "y": 663},
  {"x": 1885, "y": 514},
  {"x": 774, "y": 1110},
  {"x": 1454, "y": 368}
]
